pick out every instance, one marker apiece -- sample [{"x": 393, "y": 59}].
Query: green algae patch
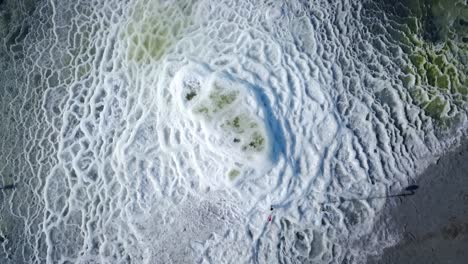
[
  {"x": 233, "y": 174},
  {"x": 257, "y": 142},
  {"x": 240, "y": 123},
  {"x": 221, "y": 98},
  {"x": 202, "y": 110},
  {"x": 190, "y": 95},
  {"x": 240, "y": 129},
  {"x": 144, "y": 46},
  {"x": 218, "y": 100},
  {"x": 417, "y": 60},
  {"x": 436, "y": 108},
  {"x": 434, "y": 73},
  {"x": 437, "y": 58},
  {"x": 83, "y": 70},
  {"x": 225, "y": 114},
  {"x": 463, "y": 90},
  {"x": 154, "y": 28},
  {"x": 408, "y": 80},
  {"x": 443, "y": 81},
  {"x": 246, "y": 130},
  {"x": 235, "y": 122}
]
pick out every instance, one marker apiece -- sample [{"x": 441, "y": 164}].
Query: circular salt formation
[
  {"x": 164, "y": 131},
  {"x": 232, "y": 120}
]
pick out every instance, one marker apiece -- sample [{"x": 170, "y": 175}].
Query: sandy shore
[{"x": 433, "y": 223}]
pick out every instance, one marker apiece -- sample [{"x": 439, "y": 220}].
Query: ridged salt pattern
[{"x": 153, "y": 131}]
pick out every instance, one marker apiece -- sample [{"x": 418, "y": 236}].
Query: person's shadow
[
  {"x": 408, "y": 191},
  {"x": 411, "y": 189}
]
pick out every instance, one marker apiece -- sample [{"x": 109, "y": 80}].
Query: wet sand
[{"x": 433, "y": 223}]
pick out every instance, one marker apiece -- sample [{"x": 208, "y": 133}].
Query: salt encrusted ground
[{"x": 164, "y": 131}]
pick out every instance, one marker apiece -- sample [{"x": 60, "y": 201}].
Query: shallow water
[{"x": 163, "y": 131}]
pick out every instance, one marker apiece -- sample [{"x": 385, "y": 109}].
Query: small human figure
[{"x": 270, "y": 217}]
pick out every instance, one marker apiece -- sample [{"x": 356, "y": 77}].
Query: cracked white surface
[{"x": 125, "y": 146}]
